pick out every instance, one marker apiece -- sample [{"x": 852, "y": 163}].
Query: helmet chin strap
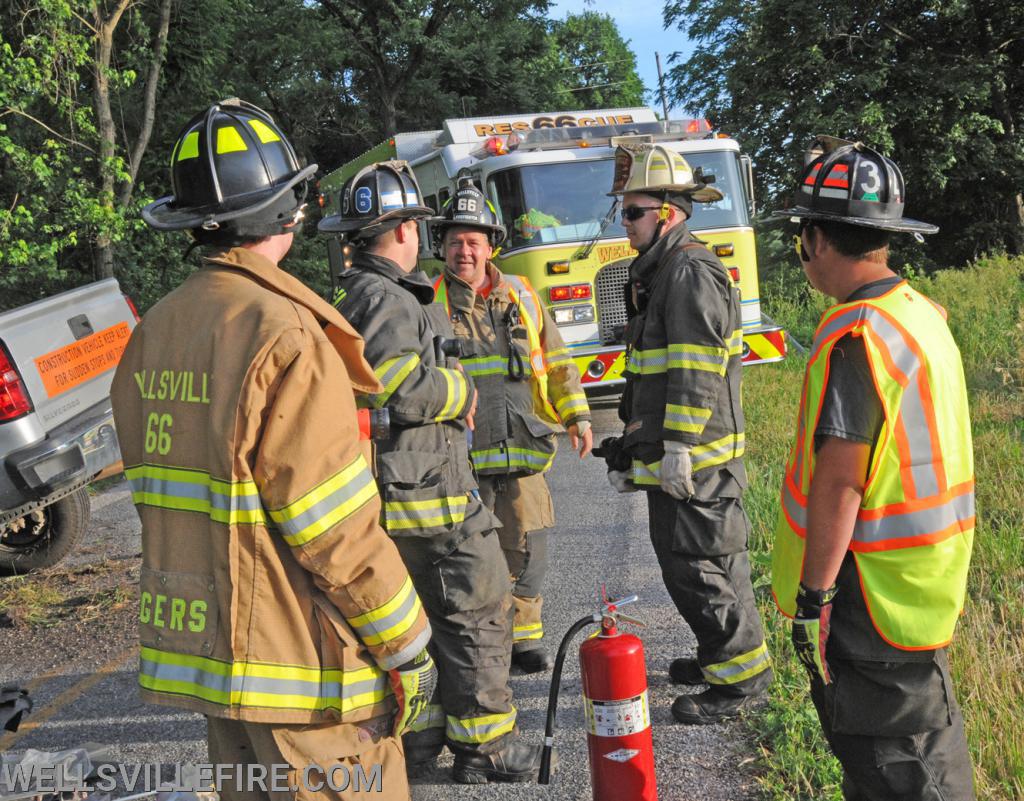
[{"x": 663, "y": 213}]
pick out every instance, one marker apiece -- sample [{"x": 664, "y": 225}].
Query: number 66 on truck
[{"x": 547, "y": 176}]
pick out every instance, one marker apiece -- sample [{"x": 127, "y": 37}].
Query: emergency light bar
[{"x": 598, "y": 135}]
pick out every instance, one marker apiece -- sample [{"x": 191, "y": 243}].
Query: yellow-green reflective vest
[{"x": 913, "y": 534}]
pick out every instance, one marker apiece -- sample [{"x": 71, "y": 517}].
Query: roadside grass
[
  {"x": 985, "y": 303},
  {"x": 46, "y": 598}
]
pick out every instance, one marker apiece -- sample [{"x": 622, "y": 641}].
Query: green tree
[
  {"x": 414, "y": 62},
  {"x": 599, "y": 68},
  {"x": 937, "y": 86},
  {"x": 75, "y": 124}
]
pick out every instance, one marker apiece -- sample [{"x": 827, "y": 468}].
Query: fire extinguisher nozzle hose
[{"x": 544, "y": 777}]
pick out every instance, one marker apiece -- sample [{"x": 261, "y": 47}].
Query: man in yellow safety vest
[{"x": 877, "y": 513}]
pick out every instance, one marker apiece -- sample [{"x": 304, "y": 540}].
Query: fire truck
[{"x": 548, "y": 176}]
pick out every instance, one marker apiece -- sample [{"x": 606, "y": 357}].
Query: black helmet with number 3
[
  {"x": 467, "y": 208},
  {"x": 233, "y": 174},
  {"x": 376, "y": 199},
  {"x": 850, "y": 183}
]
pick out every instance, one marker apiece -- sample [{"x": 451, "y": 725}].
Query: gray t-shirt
[{"x": 853, "y": 411}]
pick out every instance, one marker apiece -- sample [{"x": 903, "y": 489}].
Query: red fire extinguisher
[{"x": 616, "y": 708}]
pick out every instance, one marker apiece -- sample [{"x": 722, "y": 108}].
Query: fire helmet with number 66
[{"x": 468, "y": 208}]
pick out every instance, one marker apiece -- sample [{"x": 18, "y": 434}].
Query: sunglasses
[{"x": 634, "y": 213}]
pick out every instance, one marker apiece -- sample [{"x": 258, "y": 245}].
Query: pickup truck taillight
[
  {"x": 131, "y": 305},
  {"x": 14, "y": 401}
]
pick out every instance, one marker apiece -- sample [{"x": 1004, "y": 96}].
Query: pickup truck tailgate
[{"x": 67, "y": 346}]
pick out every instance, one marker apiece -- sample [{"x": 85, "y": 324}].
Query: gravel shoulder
[{"x": 77, "y": 650}]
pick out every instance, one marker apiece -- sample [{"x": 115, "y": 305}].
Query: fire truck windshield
[{"x": 565, "y": 202}]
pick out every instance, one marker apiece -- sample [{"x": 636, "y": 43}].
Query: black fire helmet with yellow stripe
[{"x": 233, "y": 172}]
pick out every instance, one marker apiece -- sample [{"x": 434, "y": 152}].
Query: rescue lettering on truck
[{"x": 548, "y": 175}]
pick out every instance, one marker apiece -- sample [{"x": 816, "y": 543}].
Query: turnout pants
[
  {"x": 465, "y": 593},
  {"x": 702, "y": 550},
  {"x": 330, "y": 761},
  {"x": 524, "y": 507},
  {"x": 897, "y": 730}
]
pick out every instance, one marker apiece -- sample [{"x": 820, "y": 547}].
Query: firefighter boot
[
  {"x": 422, "y": 748},
  {"x": 528, "y": 652},
  {"x": 515, "y": 761},
  {"x": 713, "y": 705},
  {"x": 531, "y": 657},
  {"x": 686, "y": 670}
]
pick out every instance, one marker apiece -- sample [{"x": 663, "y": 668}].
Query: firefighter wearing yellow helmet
[
  {"x": 876, "y": 524},
  {"x": 683, "y": 438},
  {"x": 268, "y": 588},
  {"x": 529, "y": 390}
]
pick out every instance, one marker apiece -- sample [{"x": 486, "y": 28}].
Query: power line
[
  {"x": 603, "y": 63},
  {"x": 597, "y": 86}
]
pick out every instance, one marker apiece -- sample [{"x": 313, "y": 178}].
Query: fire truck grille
[{"x": 611, "y": 306}]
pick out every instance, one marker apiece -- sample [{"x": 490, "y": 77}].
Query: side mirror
[{"x": 747, "y": 168}]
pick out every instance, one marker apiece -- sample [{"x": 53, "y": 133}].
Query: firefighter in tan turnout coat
[
  {"x": 432, "y": 506},
  {"x": 270, "y": 598},
  {"x": 529, "y": 388}
]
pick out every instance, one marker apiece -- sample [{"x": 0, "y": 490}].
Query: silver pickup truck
[{"x": 57, "y": 359}]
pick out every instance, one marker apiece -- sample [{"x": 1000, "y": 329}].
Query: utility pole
[{"x": 661, "y": 85}]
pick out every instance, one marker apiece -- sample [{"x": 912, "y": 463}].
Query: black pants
[
  {"x": 702, "y": 550},
  {"x": 465, "y": 594},
  {"x": 897, "y": 730}
]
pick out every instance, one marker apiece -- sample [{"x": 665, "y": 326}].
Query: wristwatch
[{"x": 805, "y": 596}]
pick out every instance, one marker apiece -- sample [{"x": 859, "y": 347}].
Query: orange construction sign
[{"x": 74, "y": 364}]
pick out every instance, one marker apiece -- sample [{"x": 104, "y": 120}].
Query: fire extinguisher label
[
  {"x": 617, "y": 718},
  {"x": 622, "y": 755}
]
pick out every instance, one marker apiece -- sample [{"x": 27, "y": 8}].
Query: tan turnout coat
[{"x": 268, "y": 591}]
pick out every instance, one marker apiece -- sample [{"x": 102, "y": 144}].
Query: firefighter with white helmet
[
  {"x": 432, "y": 506},
  {"x": 876, "y": 526},
  {"x": 683, "y": 438},
  {"x": 268, "y": 587},
  {"x": 529, "y": 389}
]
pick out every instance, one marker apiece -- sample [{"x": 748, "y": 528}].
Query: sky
[{"x": 640, "y": 23}]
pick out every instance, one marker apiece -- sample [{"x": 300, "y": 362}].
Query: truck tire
[{"x": 43, "y": 537}]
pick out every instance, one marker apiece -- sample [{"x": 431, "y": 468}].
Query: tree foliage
[
  {"x": 938, "y": 86},
  {"x": 603, "y": 73},
  {"x": 75, "y": 123},
  {"x": 93, "y": 94}
]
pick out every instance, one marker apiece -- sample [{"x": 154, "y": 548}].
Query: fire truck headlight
[
  {"x": 583, "y": 314},
  {"x": 562, "y": 316},
  {"x": 572, "y": 315}
]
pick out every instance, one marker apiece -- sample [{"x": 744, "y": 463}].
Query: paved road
[{"x": 85, "y": 688}]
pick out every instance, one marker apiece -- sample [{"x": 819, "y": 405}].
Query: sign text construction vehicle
[
  {"x": 547, "y": 175},
  {"x": 57, "y": 359}
]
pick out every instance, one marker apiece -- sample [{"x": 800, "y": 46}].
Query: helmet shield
[
  {"x": 655, "y": 169},
  {"x": 375, "y": 200},
  {"x": 231, "y": 163},
  {"x": 849, "y": 182},
  {"x": 468, "y": 208}
]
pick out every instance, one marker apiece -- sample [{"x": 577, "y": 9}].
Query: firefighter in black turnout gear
[
  {"x": 683, "y": 436},
  {"x": 432, "y": 507}
]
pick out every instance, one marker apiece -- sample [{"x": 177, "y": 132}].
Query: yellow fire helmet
[{"x": 655, "y": 169}]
